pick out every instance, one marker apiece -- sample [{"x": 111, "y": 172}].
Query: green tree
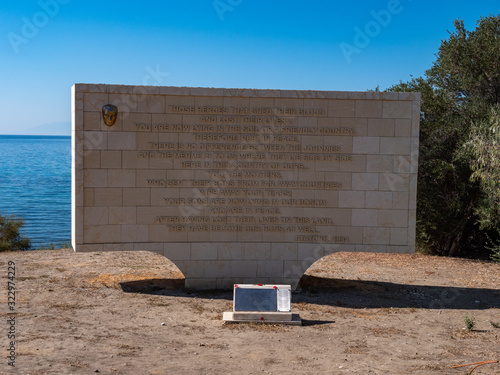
[
  {"x": 457, "y": 94},
  {"x": 10, "y": 238},
  {"x": 484, "y": 144}
]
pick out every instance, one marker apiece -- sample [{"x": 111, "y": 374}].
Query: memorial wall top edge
[{"x": 235, "y": 92}]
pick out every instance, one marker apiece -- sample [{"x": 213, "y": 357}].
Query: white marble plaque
[{"x": 284, "y": 300}]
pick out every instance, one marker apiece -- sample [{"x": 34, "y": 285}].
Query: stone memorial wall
[{"x": 240, "y": 185}]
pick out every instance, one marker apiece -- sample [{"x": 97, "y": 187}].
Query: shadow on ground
[
  {"x": 345, "y": 293},
  {"x": 309, "y": 322},
  {"x": 377, "y": 294},
  {"x": 153, "y": 286},
  {"x": 171, "y": 287}
]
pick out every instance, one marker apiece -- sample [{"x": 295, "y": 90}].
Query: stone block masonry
[{"x": 243, "y": 186}]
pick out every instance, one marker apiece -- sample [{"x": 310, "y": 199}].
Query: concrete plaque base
[
  {"x": 266, "y": 318},
  {"x": 262, "y": 303}
]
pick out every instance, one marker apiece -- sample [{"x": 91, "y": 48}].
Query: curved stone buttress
[{"x": 219, "y": 266}]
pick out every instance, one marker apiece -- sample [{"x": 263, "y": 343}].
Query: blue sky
[{"x": 48, "y": 45}]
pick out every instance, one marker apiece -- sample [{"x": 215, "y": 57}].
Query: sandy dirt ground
[{"x": 129, "y": 313}]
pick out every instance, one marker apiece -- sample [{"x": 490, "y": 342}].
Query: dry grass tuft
[
  {"x": 360, "y": 348},
  {"x": 256, "y": 326},
  {"x": 386, "y": 332}
]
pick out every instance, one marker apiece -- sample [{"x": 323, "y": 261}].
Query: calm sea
[{"x": 35, "y": 184}]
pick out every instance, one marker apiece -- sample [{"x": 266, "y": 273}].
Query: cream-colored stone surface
[
  {"x": 243, "y": 185},
  {"x": 121, "y": 178},
  {"x": 380, "y": 163},
  {"x": 142, "y": 177},
  {"x": 95, "y": 215},
  {"x": 145, "y": 141},
  {"x": 355, "y": 235},
  {"x": 400, "y": 199},
  {"x": 136, "y": 197},
  {"x": 118, "y": 247},
  {"x": 126, "y": 102},
  {"x": 121, "y": 141},
  {"x": 397, "y": 109},
  {"x": 108, "y": 197},
  {"x": 402, "y": 164},
  {"x": 135, "y": 233},
  {"x": 217, "y": 268},
  {"x": 90, "y": 248},
  {"x": 310, "y": 251},
  {"x": 369, "y": 108},
  {"x": 221, "y": 236},
  {"x": 77, "y": 198},
  {"x": 376, "y": 235},
  {"x": 110, "y": 159},
  {"x": 281, "y": 251},
  {"x": 395, "y": 146},
  {"x": 177, "y": 251},
  {"x": 399, "y": 236},
  {"x": 88, "y": 198},
  {"x": 151, "y": 104},
  {"x": 360, "y": 125},
  {"x": 402, "y": 128},
  {"x": 228, "y": 251},
  {"x": 366, "y": 145},
  {"x": 383, "y": 95},
  {"x": 393, "y": 218},
  {"x": 101, "y": 233},
  {"x": 394, "y": 182},
  {"x": 243, "y": 268},
  {"x": 95, "y": 140},
  {"x": 92, "y": 160},
  {"x": 341, "y": 108},
  {"x": 123, "y": 215},
  {"x": 364, "y": 217},
  {"x": 91, "y": 121},
  {"x": 191, "y": 268},
  {"x": 95, "y": 178},
  {"x": 93, "y": 101},
  {"x": 203, "y": 251},
  {"x": 133, "y": 122},
  {"x": 352, "y": 199},
  {"x": 381, "y": 127},
  {"x": 379, "y": 199},
  {"x": 257, "y": 251},
  {"x": 332, "y": 95},
  {"x": 365, "y": 181},
  {"x": 357, "y": 164}
]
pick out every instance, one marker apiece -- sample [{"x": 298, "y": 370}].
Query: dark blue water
[{"x": 35, "y": 184}]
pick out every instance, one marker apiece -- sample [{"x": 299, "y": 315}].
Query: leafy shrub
[
  {"x": 10, "y": 237},
  {"x": 470, "y": 322},
  {"x": 495, "y": 250}
]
